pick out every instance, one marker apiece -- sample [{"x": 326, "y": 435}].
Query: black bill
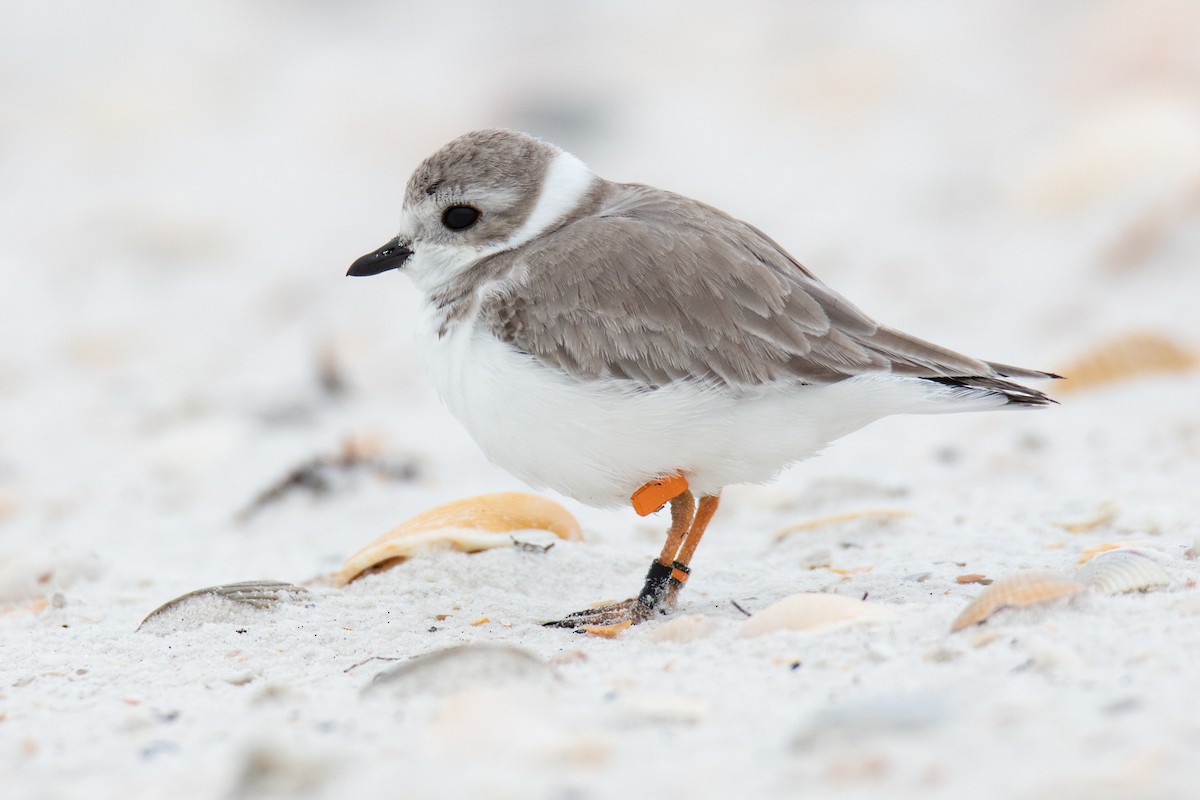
[{"x": 391, "y": 256}]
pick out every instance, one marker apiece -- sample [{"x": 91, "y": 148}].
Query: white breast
[{"x": 598, "y": 441}]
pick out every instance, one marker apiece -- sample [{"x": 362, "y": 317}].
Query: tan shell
[
  {"x": 1127, "y": 356},
  {"x": 880, "y": 514},
  {"x": 1120, "y": 571},
  {"x": 471, "y": 524},
  {"x": 810, "y": 611},
  {"x": 1091, "y": 552},
  {"x": 1018, "y": 589},
  {"x": 690, "y": 628}
]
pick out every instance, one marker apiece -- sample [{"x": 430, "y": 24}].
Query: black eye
[{"x": 459, "y": 218}]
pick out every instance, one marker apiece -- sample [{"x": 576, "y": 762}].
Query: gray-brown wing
[{"x": 657, "y": 288}]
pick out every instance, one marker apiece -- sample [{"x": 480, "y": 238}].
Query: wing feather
[{"x": 658, "y": 288}]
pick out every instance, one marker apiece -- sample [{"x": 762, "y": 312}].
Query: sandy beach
[{"x": 192, "y": 394}]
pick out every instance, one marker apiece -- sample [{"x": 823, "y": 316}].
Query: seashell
[
  {"x": 607, "y": 631},
  {"x": 1019, "y": 589},
  {"x": 1120, "y": 571},
  {"x": 257, "y": 594},
  {"x": 1097, "y": 549},
  {"x": 471, "y": 524},
  {"x": 1104, "y": 514},
  {"x": 465, "y": 667},
  {"x": 689, "y": 628},
  {"x": 1128, "y": 356},
  {"x": 810, "y": 611},
  {"x": 877, "y": 515}
]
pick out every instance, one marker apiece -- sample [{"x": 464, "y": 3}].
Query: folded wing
[{"x": 658, "y": 288}]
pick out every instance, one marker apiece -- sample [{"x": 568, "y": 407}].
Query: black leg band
[{"x": 655, "y": 587}]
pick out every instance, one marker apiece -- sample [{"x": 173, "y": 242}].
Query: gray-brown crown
[{"x": 490, "y": 159}]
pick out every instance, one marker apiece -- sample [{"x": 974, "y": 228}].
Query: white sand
[{"x": 181, "y": 189}]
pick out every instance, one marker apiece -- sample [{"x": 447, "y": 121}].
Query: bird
[{"x": 623, "y": 344}]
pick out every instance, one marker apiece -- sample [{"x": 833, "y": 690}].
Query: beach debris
[
  {"x": 531, "y": 547},
  {"x": 846, "y": 572},
  {"x": 741, "y": 609},
  {"x": 610, "y": 631},
  {"x": 1091, "y": 552},
  {"x": 255, "y": 594},
  {"x": 688, "y": 628},
  {"x": 1128, "y": 356},
  {"x": 270, "y": 770},
  {"x": 472, "y": 524},
  {"x": 814, "y": 612},
  {"x": 29, "y": 607},
  {"x": 663, "y": 707},
  {"x": 1193, "y": 552},
  {"x": 317, "y": 476},
  {"x": 464, "y": 667},
  {"x": 1028, "y": 588},
  {"x": 1103, "y": 515},
  {"x": 1121, "y": 571},
  {"x": 880, "y": 516},
  {"x": 569, "y": 657},
  {"x": 1048, "y": 656},
  {"x": 1189, "y": 606},
  {"x": 368, "y": 660},
  {"x": 37, "y": 572},
  {"x": 974, "y": 577}
]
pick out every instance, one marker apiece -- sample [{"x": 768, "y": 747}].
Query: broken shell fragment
[
  {"x": 1128, "y": 356},
  {"x": 811, "y": 611},
  {"x": 878, "y": 516},
  {"x": 464, "y": 667},
  {"x": 1091, "y": 552},
  {"x": 257, "y": 594},
  {"x": 470, "y": 525},
  {"x": 1120, "y": 571},
  {"x": 688, "y": 628},
  {"x": 1019, "y": 589}
]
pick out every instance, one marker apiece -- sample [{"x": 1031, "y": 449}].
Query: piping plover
[{"x": 619, "y": 343}]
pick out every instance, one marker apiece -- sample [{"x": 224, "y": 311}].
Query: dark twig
[
  {"x": 530, "y": 547},
  {"x": 372, "y": 658},
  {"x": 316, "y": 476}
]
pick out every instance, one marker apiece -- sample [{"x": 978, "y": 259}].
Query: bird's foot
[
  {"x": 610, "y": 616},
  {"x": 657, "y": 597}
]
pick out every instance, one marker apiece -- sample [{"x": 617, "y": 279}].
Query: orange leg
[
  {"x": 704, "y": 514},
  {"x": 683, "y": 511}
]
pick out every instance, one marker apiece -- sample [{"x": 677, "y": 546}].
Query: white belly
[{"x": 598, "y": 441}]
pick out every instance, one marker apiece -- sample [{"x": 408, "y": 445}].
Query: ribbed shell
[
  {"x": 1018, "y": 589},
  {"x": 1120, "y": 571}
]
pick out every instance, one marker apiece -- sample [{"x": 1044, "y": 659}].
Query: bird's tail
[{"x": 1014, "y": 393}]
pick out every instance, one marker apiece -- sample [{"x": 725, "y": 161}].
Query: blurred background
[{"x": 183, "y": 185}]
